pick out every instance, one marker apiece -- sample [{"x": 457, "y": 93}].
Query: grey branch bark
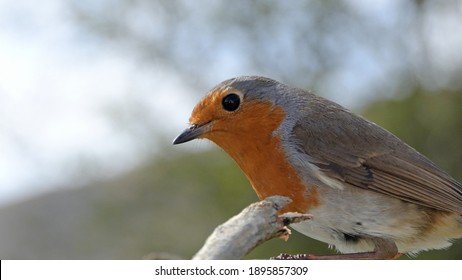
[{"x": 256, "y": 224}]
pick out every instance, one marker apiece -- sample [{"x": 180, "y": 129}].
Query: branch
[{"x": 256, "y": 224}]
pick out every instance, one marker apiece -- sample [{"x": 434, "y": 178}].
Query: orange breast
[{"x": 249, "y": 139}]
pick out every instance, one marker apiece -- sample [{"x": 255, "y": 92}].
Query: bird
[{"x": 371, "y": 195}]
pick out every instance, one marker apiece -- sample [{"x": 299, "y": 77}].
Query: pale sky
[{"x": 54, "y": 91}]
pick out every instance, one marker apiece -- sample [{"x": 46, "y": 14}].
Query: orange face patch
[{"x": 247, "y": 135}]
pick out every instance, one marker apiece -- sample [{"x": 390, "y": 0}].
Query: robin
[{"x": 371, "y": 195}]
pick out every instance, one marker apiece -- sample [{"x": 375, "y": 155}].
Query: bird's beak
[{"x": 191, "y": 133}]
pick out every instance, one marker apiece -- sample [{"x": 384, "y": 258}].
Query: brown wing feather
[
  {"x": 407, "y": 182},
  {"x": 350, "y": 149},
  {"x": 410, "y": 182}
]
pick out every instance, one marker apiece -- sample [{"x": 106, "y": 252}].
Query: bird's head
[{"x": 239, "y": 110}]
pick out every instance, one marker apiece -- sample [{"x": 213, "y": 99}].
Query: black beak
[{"x": 191, "y": 133}]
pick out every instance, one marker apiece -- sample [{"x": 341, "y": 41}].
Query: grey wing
[{"x": 352, "y": 150}]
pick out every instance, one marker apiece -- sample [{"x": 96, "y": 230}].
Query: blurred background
[{"x": 92, "y": 94}]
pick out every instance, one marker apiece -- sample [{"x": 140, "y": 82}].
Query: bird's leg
[{"x": 385, "y": 249}]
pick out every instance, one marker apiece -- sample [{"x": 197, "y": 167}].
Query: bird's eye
[{"x": 231, "y": 102}]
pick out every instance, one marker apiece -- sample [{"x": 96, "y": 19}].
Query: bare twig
[{"x": 256, "y": 224}]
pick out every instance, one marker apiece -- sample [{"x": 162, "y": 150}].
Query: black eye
[{"x": 231, "y": 102}]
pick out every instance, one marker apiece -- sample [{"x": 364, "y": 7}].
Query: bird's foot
[{"x": 353, "y": 256}]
